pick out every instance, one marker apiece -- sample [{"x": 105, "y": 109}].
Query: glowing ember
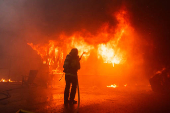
[
  {"x": 125, "y": 85},
  {"x": 160, "y": 71},
  {"x": 4, "y": 80},
  {"x": 113, "y": 86}
]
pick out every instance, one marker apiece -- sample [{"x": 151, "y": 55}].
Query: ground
[{"x": 93, "y": 99}]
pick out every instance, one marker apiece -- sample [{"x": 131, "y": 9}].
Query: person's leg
[
  {"x": 67, "y": 88},
  {"x": 73, "y": 89}
]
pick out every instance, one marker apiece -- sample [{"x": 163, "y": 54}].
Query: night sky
[
  {"x": 23, "y": 21},
  {"x": 152, "y": 19}
]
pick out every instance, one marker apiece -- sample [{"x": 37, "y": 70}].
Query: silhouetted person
[{"x": 71, "y": 66}]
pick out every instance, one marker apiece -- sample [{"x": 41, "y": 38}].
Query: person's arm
[
  {"x": 78, "y": 65},
  {"x": 66, "y": 63}
]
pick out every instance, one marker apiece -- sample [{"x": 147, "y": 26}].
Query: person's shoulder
[{"x": 68, "y": 57}]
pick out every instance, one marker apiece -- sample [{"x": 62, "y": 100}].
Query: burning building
[
  {"x": 125, "y": 43},
  {"x": 114, "y": 48},
  {"x": 105, "y": 50}
]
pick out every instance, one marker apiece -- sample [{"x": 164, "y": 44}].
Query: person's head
[{"x": 74, "y": 52}]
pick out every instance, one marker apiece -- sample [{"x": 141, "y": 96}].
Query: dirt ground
[{"x": 93, "y": 99}]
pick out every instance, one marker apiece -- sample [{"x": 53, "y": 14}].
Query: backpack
[{"x": 67, "y": 63}]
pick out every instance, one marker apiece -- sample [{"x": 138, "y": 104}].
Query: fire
[
  {"x": 125, "y": 85},
  {"x": 52, "y": 55},
  {"x": 160, "y": 71},
  {"x": 113, "y": 86},
  {"x": 82, "y": 46},
  {"x": 4, "y": 80},
  {"x": 106, "y": 43},
  {"x": 110, "y": 52}
]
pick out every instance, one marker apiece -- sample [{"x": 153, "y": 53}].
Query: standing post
[{"x": 9, "y": 75}]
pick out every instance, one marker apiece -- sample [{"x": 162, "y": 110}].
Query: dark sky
[{"x": 23, "y": 21}]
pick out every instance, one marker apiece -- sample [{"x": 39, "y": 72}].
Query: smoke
[
  {"x": 38, "y": 21},
  {"x": 54, "y": 17},
  {"x": 151, "y": 20}
]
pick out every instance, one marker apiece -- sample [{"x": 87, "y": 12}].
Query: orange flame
[
  {"x": 82, "y": 46},
  {"x": 107, "y": 47},
  {"x": 110, "y": 52},
  {"x": 125, "y": 85},
  {"x": 160, "y": 71},
  {"x": 113, "y": 86},
  {"x": 52, "y": 55},
  {"x": 5, "y": 80}
]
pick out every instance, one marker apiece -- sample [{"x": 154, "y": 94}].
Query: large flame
[
  {"x": 105, "y": 42},
  {"x": 82, "y": 46},
  {"x": 110, "y": 52},
  {"x": 52, "y": 54}
]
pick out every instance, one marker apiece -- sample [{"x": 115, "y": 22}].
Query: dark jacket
[{"x": 71, "y": 65}]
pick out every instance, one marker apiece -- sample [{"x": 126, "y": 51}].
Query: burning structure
[
  {"x": 111, "y": 44},
  {"x": 123, "y": 46},
  {"x": 112, "y": 51}
]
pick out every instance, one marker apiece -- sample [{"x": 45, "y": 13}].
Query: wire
[
  {"x": 76, "y": 111},
  {"x": 61, "y": 77},
  {"x": 7, "y": 94}
]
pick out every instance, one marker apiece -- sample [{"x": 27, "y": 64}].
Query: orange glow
[
  {"x": 160, "y": 71},
  {"x": 113, "y": 86},
  {"x": 105, "y": 43},
  {"x": 52, "y": 55},
  {"x": 4, "y": 80},
  {"x": 110, "y": 52},
  {"x": 82, "y": 46}
]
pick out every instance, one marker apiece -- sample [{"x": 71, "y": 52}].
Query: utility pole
[{"x": 9, "y": 69}]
